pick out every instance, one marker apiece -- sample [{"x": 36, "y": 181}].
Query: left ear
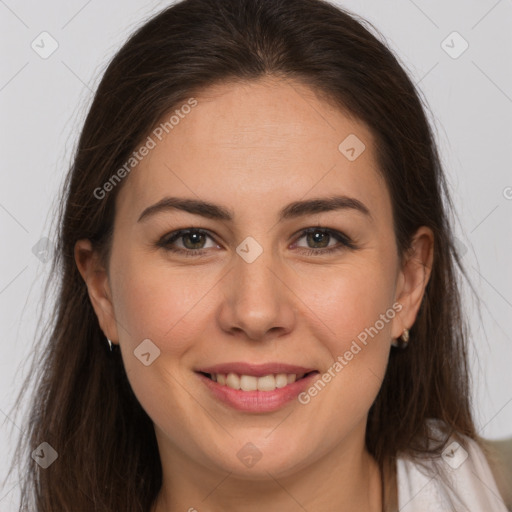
[{"x": 413, "y": 278}]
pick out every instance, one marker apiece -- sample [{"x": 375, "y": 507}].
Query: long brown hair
[{"x": 83, "y": 406}]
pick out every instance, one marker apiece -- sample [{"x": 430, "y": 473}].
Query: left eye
[
  {"x": 193, "y": 240},
  {"x": 323, "y": 236}
]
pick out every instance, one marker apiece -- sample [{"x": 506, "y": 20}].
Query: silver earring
[{"x": 109, "y": 344}]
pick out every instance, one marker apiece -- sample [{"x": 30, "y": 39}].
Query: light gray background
[{"x": 43, "y": 103}]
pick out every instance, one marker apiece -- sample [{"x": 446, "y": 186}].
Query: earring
[
  {"x": 404, "y": 338},
  {"x": 109, "y": 344}
]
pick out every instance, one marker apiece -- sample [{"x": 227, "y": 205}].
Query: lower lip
[{"x": 258, "y": 401}]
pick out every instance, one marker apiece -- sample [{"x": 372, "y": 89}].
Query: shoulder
[{"x": 458, "y": 477}]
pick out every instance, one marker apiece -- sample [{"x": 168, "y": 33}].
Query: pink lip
[
  {"x": 258, "y": 401},
  {"x": 256, "y": 370}
]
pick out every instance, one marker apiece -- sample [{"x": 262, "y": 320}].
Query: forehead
[{"x": 256, "y": 143}]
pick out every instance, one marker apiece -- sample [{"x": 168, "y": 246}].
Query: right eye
[{"x": 192, "y": 240}]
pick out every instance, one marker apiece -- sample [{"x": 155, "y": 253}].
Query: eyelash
[{"x": 345, "y": 242}]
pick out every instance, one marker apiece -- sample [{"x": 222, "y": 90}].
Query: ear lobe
[
  {"x": 413, "y": 278},
  {"x": 96, "y": 279}
]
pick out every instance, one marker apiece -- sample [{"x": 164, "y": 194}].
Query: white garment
[{"x": 460, "y": 480}]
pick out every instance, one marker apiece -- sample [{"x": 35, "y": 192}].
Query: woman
[{"x": 258, "y": 304}]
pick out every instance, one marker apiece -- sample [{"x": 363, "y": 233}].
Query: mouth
[{"x": 256, "y": 389}]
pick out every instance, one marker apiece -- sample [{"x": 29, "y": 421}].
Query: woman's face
[{"x": 251, "y": 291}]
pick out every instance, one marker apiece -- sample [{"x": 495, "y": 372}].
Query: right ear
[{"x": 96, "y": 279}]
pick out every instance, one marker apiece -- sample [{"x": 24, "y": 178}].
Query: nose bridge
[
  {"x": 256, "y": 300},
  {"x": 253, "y": 268}
]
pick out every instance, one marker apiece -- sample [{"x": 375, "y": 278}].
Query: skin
[{"x": 253, "y": 148}]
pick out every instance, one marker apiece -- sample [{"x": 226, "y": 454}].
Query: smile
[{"x": 256, "y": 389}]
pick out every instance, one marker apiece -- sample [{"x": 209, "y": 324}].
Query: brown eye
[
  {"x": 195, "y": 239},
  {"x": 319, "y": 237},
  {"x": 319, "y": 240},
  {"x": 192, "y": 241}
]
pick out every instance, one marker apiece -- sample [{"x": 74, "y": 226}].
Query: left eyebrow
[{"x": 291, "y": 211}]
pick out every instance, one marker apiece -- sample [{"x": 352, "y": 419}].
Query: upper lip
[{"x": 256, "y": 370}]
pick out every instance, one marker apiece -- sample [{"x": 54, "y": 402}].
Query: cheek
[
  {"x": 350, "y": 299},
  {"x": 356, "y": 313},
  {"x": 151, "y": 302},
  {"x": 162, "y": 304}
]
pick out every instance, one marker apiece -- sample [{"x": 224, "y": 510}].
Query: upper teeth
[{"x": 251, "y": 383}]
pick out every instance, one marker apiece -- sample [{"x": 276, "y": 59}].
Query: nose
[{"x": 258, "y": 303}]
